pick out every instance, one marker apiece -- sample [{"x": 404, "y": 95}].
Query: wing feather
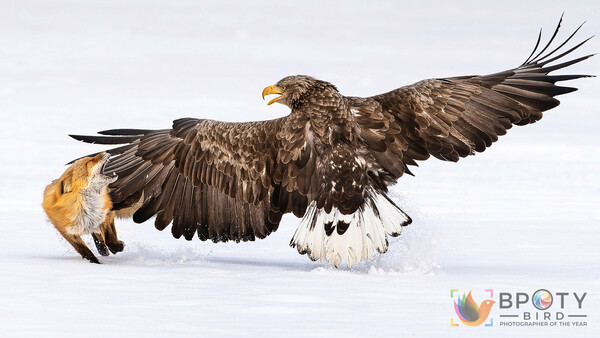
[
  {"x": 456, "y": 117},
  {"x": 223, "y": 181}
]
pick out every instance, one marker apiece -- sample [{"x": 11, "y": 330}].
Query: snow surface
[{"x": 523, "y": 215}]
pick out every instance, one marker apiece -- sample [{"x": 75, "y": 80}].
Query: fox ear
[{"x": 65, "y": 185}]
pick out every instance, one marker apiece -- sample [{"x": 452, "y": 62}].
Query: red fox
[{"x": 78, "y": 204}]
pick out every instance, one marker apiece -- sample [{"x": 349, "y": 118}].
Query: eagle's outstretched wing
[
  {"x": 223, "y": 180},
  {"x": 456, "y": 117}
]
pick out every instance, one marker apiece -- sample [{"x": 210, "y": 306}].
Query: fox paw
[
  {"x": 116, "y": 247},
  {"x": 92, "y": 259},
  {"x": 100, "y": 246},
  {"x": 102, "y": 250}
]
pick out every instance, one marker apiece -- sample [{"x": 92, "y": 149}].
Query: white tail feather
[{"x": 367, "y": 231}]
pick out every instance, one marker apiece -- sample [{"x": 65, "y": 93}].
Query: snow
[{"x": 522, "y": 216}]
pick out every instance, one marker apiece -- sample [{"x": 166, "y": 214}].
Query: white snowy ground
[{"x": 523, "y": 215}]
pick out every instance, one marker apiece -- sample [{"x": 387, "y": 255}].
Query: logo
[
  {"x": 541, "y": 308},
  {"x": 568, "y": 311},
  {"x": 542, "y": 299},
  {"x": 469, "y": 313}
]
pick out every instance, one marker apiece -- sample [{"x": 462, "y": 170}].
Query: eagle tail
[{"x": 333, "y": 237}]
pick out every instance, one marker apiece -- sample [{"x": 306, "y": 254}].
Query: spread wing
[
  {"x": 456, "y": 117},
  {"x": 224, "y": 181}
]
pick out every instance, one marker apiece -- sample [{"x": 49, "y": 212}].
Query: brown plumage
[{"x": 329, "y": 161}]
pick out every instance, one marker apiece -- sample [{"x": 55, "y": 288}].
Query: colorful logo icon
[
  {"x": 470, "y": 313},
  {"x": 542, "y": 299}
]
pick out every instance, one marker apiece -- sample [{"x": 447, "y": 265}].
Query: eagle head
[{"x": 295, "y": 90}]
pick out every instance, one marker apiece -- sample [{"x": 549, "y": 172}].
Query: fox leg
[
  {"x": 110, "y": 234},
  {"x": 100, "y": 244},
  {"x": 80, "y": 246}
]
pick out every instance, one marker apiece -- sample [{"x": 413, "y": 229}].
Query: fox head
[{"x": 86, "y": 173}]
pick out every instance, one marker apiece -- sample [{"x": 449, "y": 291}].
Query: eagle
[{"x": 330, "y": 161}]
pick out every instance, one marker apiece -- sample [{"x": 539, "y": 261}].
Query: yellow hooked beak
[{"x": 272, "y": 90}]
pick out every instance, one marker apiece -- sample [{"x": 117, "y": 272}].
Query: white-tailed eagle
[{"x": 330, "y": 161}]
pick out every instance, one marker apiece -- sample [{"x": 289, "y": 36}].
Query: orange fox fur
[{"x": 78, "y": 204}]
